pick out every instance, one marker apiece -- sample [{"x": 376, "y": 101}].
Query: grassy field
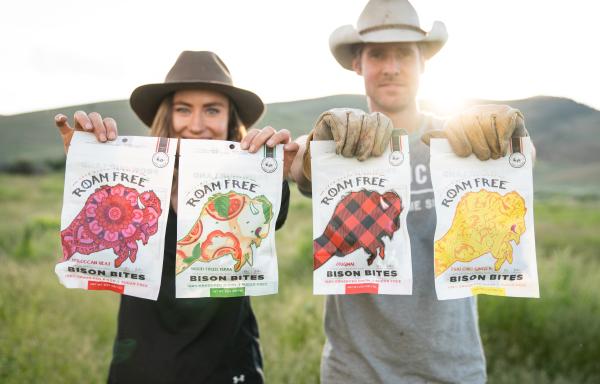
[{"x": 51, "y": 334}]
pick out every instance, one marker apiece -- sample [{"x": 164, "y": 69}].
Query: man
[{"x": 417, "y": 338}]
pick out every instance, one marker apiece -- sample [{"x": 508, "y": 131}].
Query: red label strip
[
  {"x": 105, "y": 286},
  {"x": 352, "y": 289}
]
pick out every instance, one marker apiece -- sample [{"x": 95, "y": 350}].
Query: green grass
[
  {"x": 291, "y": 321},
  {"x": 568, "y": 224},
  {"x": 550, "y": 339},
  {"x": 47, "y": 333},
  {"x": 51, "y": 334}
]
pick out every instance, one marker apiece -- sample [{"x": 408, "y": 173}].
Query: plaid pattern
[{"x": 360, "y": 220}]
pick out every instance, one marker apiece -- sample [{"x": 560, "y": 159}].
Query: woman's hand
[
  {"x": 256, "y": 138},
  {"x": 104, "y": 129}
]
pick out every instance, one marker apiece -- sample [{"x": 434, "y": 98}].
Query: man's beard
[{"x": 389, "y": 107}]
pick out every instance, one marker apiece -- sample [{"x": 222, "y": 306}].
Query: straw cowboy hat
[
  {"x": 386, "y": 21},
  {"x": 192, "y": 70}
]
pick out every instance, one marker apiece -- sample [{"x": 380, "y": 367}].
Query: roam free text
[
  {"x": 479, "y": 182},
  {"x": 357, "y": 181}
]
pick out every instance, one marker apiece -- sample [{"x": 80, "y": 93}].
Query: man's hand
[
  {"x": 356, "y": 134},
  {"x": 484, "y": 130}
]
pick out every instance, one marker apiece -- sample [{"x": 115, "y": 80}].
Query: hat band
[{"x": 391, "y": 26}]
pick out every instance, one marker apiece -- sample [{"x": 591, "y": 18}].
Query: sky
[{"x": 63, "y": 52}]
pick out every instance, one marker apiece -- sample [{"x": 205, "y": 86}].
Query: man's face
[{"x": 391, "y": 72}]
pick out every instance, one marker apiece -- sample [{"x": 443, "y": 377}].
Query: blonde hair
[{"x": 162, "y": 125}]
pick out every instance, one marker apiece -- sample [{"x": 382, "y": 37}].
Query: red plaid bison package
[
  {"x": 228, "y": 202},
  {"x": 115, "y": 206},
  {"x": 360, "y": 239}
]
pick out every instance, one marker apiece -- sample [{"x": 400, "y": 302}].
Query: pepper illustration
[
  {"x": 113, "y": 217},
  {"x": 360, "y": 220},
  {"x": 228, "y": 225}
]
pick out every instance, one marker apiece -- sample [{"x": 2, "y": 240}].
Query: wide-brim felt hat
[
  {"x": 386, "y": 21},
  {"x": 196, "y": 70}
]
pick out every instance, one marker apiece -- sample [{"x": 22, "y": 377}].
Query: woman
[{"x": 189, "y": 340}]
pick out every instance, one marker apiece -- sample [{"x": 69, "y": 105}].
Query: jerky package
[
  {"x": 228, "y": 202},
  {"x": 360, "y": 239},
  {"x": 484, "y": 238},
  {"x": 115, "y": 208}
]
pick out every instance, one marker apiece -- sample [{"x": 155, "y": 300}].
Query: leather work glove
[
  {"x": 484, "y": 130},
  {"x": 355, "y": 132}
]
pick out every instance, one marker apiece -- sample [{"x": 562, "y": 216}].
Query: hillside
[
  {"x": 33, "y": 136},
  {"x": 565, "y": 132}
]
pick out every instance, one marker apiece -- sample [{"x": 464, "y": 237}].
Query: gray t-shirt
[{"x": 406, "y": 339}]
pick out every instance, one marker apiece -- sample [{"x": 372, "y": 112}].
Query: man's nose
[{"x": 392, "y": 65}]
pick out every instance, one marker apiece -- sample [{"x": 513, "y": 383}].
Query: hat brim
[
  {"x": 343, "y": 40},
  {"x": 146, "y": 99}
]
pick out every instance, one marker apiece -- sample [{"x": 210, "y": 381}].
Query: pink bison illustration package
[
  {"x": 228, "y": 202},
  {"x": 360, "y": 239},
  {"x": 115, "y": 206},
  {"x": 484, "y": 239}
]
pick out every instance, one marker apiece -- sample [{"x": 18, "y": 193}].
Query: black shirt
[{"x": 202, "y": 340}]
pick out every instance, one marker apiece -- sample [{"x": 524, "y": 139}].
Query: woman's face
[{"x": 200, "y": 114}]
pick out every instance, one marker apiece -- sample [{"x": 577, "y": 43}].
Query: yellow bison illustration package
[
  {"x": 228, "y": 202},
  {"x": 484, "y": 239}
]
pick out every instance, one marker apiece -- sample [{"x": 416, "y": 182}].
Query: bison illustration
[
  {"x": 113, "y": 217},
  {"x": 229, "y": 224},
  {"x": 484, "y": 222},
  {"x": 360, "y": 220}
]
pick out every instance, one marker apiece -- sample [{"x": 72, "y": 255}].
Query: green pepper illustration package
[
  {"x": 228, "y": 202},
  {"x": 360, "y": 239},
  {"x": 115, "y": 206},
  {"x": 484, "y": 239}
]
